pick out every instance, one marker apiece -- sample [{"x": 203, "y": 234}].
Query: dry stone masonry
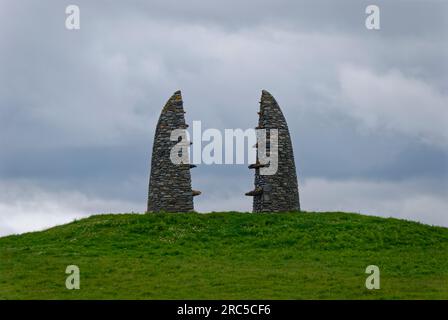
[
  {"x": 278, "y": 192},
  {"x": 169, "y": 183}
]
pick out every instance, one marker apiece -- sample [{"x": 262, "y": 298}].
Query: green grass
[{"x": 228, "y": 256}]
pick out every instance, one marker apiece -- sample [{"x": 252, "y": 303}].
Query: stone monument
[{"x": 169, "y": 183}]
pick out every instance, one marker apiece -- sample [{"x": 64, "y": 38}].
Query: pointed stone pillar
[
  {"x": 169, "y": 183},
  {"x": 278, "y": 192}
]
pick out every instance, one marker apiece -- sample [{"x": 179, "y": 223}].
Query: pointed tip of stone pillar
[
  {"x": 268, "y": 101},
  {"x": 266, "y": 96},
  {"x": 177, "y": 95},
  {"x": 265, "y": 92},
  {"x": 175, "y": 101}
]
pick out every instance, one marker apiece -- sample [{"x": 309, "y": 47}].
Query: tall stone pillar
[
  {"x": 169, "y": 183},
  {"x": 278, "y": 192}
]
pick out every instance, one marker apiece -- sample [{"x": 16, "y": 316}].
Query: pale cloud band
[{"x": 404, "y": 200}]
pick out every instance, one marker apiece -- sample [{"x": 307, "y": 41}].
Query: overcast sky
[{"x": 367, "y": 109}]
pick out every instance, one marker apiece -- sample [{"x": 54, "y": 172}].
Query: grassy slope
[{"x": 228, "y": 256}]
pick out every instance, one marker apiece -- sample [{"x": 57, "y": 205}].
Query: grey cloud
[
  {"x": 409, "y": 199},
  {"x": 78, "y": 109}
]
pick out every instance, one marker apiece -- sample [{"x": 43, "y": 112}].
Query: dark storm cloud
[{"x": 78, "y": 108}]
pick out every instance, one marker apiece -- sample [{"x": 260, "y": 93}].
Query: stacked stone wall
[
  {"x": 278, "y": 192},
  {"x": 169, "y": 183}
]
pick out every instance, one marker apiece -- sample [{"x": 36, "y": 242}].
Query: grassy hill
[{"x": 228, "y": 256}]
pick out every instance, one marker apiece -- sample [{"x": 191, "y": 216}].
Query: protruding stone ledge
[
  {"x": 187, "y": 166},
  {"x": 253, "y": 193},
  {"x": 257, "y": 166}
]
